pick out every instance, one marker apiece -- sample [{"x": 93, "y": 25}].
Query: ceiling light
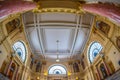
[
  {"x": 69, "y": 73},
  {"x": 57, "y": 60},
  {"x": 45, "y": 73}
]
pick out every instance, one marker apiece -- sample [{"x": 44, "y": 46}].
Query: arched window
[
  {"x": 57, "y": 69},
  {"x": 20, "y": 48},
  {"x": 94, "y": 49}
]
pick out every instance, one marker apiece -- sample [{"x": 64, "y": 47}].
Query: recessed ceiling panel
[
  {"x": 81, "y": 39},
  {"x": 52, "y": 35},
  {"x": 33, "y": 39},
  {"x": 58, "y": 17},
  {"x": 63, "y": 56}
]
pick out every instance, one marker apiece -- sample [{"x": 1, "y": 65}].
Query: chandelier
[{"x": 57, "y": 60}]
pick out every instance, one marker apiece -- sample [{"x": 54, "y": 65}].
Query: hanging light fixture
[{"x": 57, "y": 60}]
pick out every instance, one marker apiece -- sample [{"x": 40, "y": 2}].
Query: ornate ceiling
[
  {"x": 69, "y": 23},
  {"x": 51, "y": 21},
  {"x": 44, "y": 29}
]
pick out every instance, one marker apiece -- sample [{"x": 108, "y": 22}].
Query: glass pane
[
  {"x": 57, "y": 70},
  {"x": 19, "y": 47},
  {"x": 94, "y": 49}
]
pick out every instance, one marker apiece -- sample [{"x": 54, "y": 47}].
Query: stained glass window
[
  {"x": 19, "y": 47},
  {"x": 57, "y": 69},
  {"x": 94, "y": 49}
]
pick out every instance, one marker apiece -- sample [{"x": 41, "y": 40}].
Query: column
[
  {"x": 98, "y": 73},
  {"x": 16, "y": 75},
  {"x": 108, "y": 72},
  {"x": 9, "y": 67}
]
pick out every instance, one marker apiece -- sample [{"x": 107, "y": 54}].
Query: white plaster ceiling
[
  {"x": 52, "y": 35},
  {"x": 43, "y": 30}
]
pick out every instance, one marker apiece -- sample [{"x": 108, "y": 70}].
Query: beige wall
[{"x": 110, "y": 50}]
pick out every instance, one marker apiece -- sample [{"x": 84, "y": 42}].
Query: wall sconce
[
  {"x": 69, "y": 73},
  {"x": 45, "y": 73}
]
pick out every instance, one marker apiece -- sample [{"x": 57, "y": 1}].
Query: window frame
[
  {"x": 90, "y": 53},
  {"x": 23, "y": 52},
  {"x": 57, "y": 69}
]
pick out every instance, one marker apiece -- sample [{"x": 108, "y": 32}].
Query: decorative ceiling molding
[
  {"x": 64, "y": 10},
  {"x": 51, "y": 24}
]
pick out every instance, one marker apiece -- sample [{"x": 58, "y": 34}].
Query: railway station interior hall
[{"x": 59, "y": 39}]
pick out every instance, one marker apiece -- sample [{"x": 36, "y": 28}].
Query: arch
[
  {"x": 103, "y": 10},
  {"x": 57, "y": 69},
  {"x": 16, "y": 7},
  {"x": 94, "y": 49},
  {"x": 20, "y": 48}
]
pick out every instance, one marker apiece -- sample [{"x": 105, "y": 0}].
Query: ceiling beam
[
  {"x": 87, "y": 36},
  {"x": 54, "y": 24},
  {"x": 27, "y": 34},
  {"x": 55, "y": 54},
  {"x": 59, "y": 27},
  {"x": 48, "y": 53},
  {"x": 35, "y": 25},
  {"x": 39, "y": 32},
  {"x": 76, "y": 33}
]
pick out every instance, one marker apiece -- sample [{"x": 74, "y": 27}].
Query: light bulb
[{"x": 57, "y": 60}]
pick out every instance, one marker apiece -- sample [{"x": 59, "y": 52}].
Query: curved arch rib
[
  {"x": 108, "y": 10},
  {"x": 14, "y": 6}
]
